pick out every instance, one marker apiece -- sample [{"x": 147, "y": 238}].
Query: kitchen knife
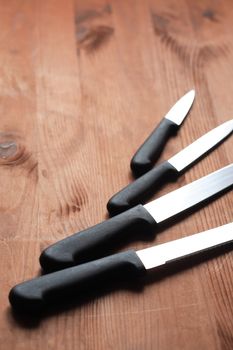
[
  {"x": 38, "y": 293},
  {"x": 150, "y": 150},
  {"x": 145, "y": 186},
  {"x": 90, "y": 243}
]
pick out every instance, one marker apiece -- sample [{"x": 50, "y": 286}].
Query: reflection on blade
[
  {"x": 202, "y": 145},
  {"x": 180, "y": 248},
  {"x": 179, "y": 111},
  {"x": 187, "y": 196}
]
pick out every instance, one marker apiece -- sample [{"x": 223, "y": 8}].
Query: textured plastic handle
[
  {"x": 90, "y": 243},
  {"x": 38, "y": 293},
  {"x": 142, "y": 188},
  {"x": 150, "y": 150}
]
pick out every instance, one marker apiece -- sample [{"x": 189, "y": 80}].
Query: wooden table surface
[{"x": 82, "y": 83}]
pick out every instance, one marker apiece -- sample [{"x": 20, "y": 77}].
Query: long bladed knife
[
  {"x": 150, "y": 150},
  {"x": 38, "y": 293},
  {"x": 145, "y": 186},
  {"x": 91, "y": 243}
]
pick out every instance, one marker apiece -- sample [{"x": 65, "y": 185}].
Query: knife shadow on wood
[{"x": 78, "y": 300}]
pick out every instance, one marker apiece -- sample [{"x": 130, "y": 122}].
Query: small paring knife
[
  {"x": 145, "y": 186},
  {"x": 37, "y": 294},
  {"x": 150, "y": 150},
  {"x": 87, "y": 245}
]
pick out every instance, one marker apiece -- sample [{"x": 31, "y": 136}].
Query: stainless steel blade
[
  {"x": 202, "y": 145},
  {"x": 174, "y": 250},
  {"x": 180, "y": 109},
  {"x": 187, "y": 196}
]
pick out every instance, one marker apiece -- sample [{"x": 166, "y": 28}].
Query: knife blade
[
  {"x": 184, "y": 247},
  {"x": 91, "y": 243},
  {"x": 145, "y": 186},
  {"x": 151, "y": 149},
  {"x": 37, "y": 294}
]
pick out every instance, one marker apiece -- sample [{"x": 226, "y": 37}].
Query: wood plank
[{"x": 82, "y": 84}]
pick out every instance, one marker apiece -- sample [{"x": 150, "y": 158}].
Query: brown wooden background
[{"x": 82, "y": 83}]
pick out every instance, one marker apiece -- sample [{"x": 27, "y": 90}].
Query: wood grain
[{"x": 82, "y": 83}]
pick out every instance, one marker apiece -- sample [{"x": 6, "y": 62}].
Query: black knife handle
[
  {"x": 150, "y": 150},
  {"x": 36, "y": 294},
  {"x": 96, "y": 240},
  {"x": 142, "y": 188}
]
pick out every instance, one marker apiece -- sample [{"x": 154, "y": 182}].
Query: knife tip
[{"x": 192, "y": 93}]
